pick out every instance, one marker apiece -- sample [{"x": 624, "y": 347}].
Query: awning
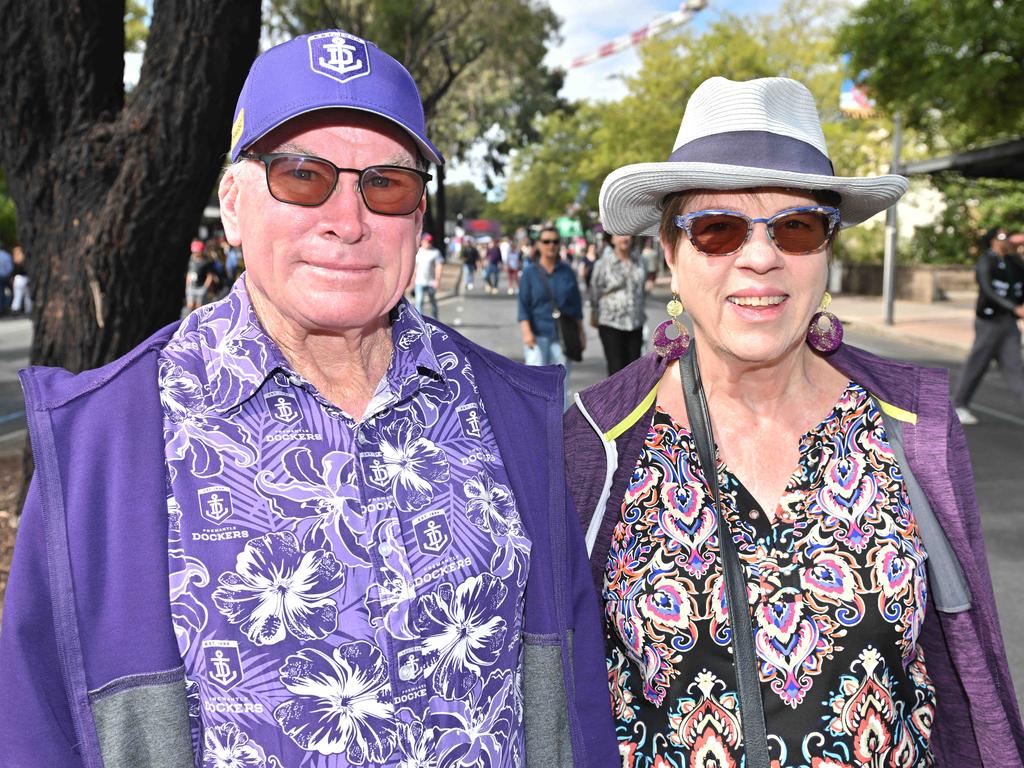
[{"x": 1004, "y": 160}]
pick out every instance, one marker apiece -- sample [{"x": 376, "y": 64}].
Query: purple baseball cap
[{"x": 327, "y": 70}]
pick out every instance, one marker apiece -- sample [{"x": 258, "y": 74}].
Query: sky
[{"x": 586, "y": 24}]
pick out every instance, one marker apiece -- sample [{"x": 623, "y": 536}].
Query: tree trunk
[{"x": 110, "y": 189}]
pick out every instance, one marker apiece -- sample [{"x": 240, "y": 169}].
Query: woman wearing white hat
[{"x": 839, "y": 533}]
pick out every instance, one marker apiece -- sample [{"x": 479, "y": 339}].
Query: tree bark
[{"x": 109, "y": 189}]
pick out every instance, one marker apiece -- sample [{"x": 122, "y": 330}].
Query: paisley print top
[
  {"x": 345, "y": 592},
  {"x": 837, "y": 595}
]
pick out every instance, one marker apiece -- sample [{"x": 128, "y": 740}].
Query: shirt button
[
  {"x": 754, "y": 514},
  {"x": 385, "y": 551}
]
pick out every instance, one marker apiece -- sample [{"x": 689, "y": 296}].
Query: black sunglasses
[
  {"x": 548, "y": 241},
  {"x": 390, "y": 190}
]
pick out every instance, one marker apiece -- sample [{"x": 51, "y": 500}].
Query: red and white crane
[{"x": 659, "y": 24}]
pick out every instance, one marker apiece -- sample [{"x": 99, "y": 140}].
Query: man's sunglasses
[
  {"x": 795, "y": 231},
  {"x": 549, "y": 241},
  {"x": 390, "y": 190}
]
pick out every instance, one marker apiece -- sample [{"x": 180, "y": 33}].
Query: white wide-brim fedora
[{"x": 739, "y": 135}]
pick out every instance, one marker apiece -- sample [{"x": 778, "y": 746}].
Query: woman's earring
[
  {"x": 671, "y": 339},
  {"x": 825, "y": 333}
]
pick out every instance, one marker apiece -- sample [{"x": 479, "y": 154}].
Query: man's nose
[{"x": 345, "y": 213}]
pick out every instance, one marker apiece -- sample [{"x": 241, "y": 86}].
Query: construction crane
[{"x": 658, "y": 25}]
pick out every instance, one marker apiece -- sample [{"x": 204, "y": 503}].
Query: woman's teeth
[{"x": 757, "y": 301}]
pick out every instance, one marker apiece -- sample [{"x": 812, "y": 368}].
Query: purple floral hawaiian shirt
[{"x": 344, "y": 592}]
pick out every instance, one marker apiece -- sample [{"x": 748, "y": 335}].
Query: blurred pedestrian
[
  {"x": 6, "y": 270},
  {"x": 651, "y": 260},
  {"x": 21, "y": 300},
  {"x": 492, "y": 267},
  {"x": 198, "y": 276},
  {"x": 513, "y": 264},
  {"x": 547, "y": 292},
  {"x": 617, "y": 296},
  {"x": 429, "y": 265},
  {"x": 1000, "y": 275},
  {"x": 470, "y": 257},
  {"x": 587, "y": 264}
]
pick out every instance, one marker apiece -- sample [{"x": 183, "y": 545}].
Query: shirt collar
[{"x": 238, "y": 355}]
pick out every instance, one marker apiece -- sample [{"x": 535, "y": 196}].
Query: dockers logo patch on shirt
[
  {"x": 470, "y": 419},
  {"x": 375, "y": 471},
  {"x": 284, "y": 408},
  {"x": 215, "y": 503},
  {"x": 338, "y": 56},
  {"x": 433, "y": 536},
  {"x": 223, "y": 662}
]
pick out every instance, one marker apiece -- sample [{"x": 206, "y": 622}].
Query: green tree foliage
[
  {"x": 583, "y": 144},
  {"x": 952, "y": 68},
  {"x": 136, "y": 26},
  {"x": 478, "y": 63},
  {"x": 8, "y": 216},
  {"x": 464, "y": 198}
]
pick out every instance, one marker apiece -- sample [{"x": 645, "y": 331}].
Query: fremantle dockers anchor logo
[
  {"x": 433, "y": 536},
  {"x": 339, "y": 56},
  {"x": 469, "y": 417},
  {"x": 375, "y": 471},
  {"x": 215, "y": 503},
  {"x": 284, "y": 408},
  {"x": 223, "y": 663}
]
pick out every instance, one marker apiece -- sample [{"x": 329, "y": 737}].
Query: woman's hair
[{"x": 675, "y": 203}]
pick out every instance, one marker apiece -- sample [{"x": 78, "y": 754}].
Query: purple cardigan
[
  {"x": 90, "y": 671},
  {"x": 977, "y": 722}
]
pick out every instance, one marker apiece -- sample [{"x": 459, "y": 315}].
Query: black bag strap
[{"x": 755, "y": 737}]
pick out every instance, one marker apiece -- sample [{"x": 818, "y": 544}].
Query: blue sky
[{"x": 586, "y": 24}]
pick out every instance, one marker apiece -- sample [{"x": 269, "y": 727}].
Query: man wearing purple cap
[{"x": 305, "y": 526}]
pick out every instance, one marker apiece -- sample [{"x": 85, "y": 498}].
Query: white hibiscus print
[
  {"x": 342, "y": 703},
  {"x": 225, "y": 746},
  {"x": 413, "y": 463},
  {"x": 462, "y": 632},
  {"x": 194, "y": 432},
  {"x": 277, "y": 589},
  {"x": 491, "y": 507}
]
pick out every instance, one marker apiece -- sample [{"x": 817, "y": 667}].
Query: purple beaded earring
[
  {"x": 671, "y": 339},
  {"x": 825, "y": 333}
]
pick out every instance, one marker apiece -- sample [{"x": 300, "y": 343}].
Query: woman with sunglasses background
[{"x": 851, "y": 619}]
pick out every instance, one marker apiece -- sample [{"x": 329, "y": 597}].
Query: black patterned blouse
[{"x": 837, "y": 593}]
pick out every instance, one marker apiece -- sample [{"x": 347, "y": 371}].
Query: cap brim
[{"x": 631, "y": 196}]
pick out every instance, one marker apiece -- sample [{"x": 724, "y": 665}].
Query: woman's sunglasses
[
  {"x": 390, "y": 190},
  {"x": 795, "y": 231}
]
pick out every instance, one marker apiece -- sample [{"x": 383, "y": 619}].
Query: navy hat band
[{"x": 755, "y": 149}]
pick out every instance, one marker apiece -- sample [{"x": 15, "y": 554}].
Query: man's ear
[{"x": 228, "y": 194}]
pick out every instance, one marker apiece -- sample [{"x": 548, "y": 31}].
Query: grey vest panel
[
  {"x": 143, "y": 721},
  {"x": 946, "y": 580},
  {"x": 545, "y": 707}
]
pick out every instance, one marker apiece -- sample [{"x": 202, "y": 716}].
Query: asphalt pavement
[{"x": 931, "y": 334}]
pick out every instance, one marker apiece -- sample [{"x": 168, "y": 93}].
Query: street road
[{"x": 997, "y": 443}]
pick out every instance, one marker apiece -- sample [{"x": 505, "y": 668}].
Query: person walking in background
[
  {"x": 513, "y": 263},
  {"x": 198, "y": 277},
  {"x": 1000, "y": 275},
  {"x": 547, "y": 291},
  {"x": 651, "y": 260},
  {"x": 492, "y": 267},
  {"x": 470, "y": 256},
  {"x": 6, "y": 269},
  {"x": 587, "y": 264},
  {"x": 21, "y": 300},
  {"x": 428, "y": 274},
  {"x": 617, "y": 295}
]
